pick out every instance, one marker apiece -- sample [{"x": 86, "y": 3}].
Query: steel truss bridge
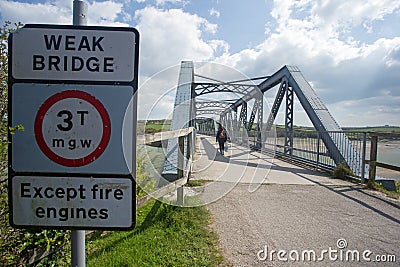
[{"x": 244, "y": 114}]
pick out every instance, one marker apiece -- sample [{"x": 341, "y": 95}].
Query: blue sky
[{"x": 348, "y": 50}]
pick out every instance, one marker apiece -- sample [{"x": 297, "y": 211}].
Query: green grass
[
  {"x": 378, "y": 129},
  {"x": 381, "y": 129},
  {"x": 155, "y": 126},
  {"x": 391, "y": 194},
  {"x": 164, "y": 236},
  {"x": 200, "y": 182}
]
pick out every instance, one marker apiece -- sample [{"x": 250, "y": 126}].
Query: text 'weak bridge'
[{"x": 243, "y": 111}]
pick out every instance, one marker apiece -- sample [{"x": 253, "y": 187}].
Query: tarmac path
[{"x": 296, "y": 216}]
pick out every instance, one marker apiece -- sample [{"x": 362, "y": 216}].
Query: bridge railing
[
  {"x": 373, "y": 155},
  {"x": 309, "y": 148},
  {"x": 185, "y": 155}
]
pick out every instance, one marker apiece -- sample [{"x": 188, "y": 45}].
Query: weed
[{"x": 341, "y": 171}]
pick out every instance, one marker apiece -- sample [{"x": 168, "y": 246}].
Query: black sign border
[
  {"x": 55, "y": 227},
  {"x": 133, "y": 83}
]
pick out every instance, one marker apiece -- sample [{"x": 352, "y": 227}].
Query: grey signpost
[
  {"x": 78, "y": 254},
  {"x": 73, "y": 88}
]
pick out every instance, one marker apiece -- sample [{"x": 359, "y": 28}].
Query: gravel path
[{"x": 306, "y": 217}]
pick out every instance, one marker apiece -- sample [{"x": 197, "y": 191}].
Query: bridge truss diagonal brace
[
  {"x": 243, "y": 114},
  {"x": 257, "y": 109},
  {"x": 336, "y": 141},
  {"x": 277, "y": 103},
  {"x": 208, "y": 88},
  {"x": 338, "y": 144}
]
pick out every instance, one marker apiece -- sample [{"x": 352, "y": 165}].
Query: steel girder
[
  {"x": 257, "y": 109},
  {"x": 212, "y": 107},
  {"x": 183, "y": 115},
  {"x": 205, "y": 125},
  {"x": 229, "y": 123},
  {"x": 289, "y": 122},
  {"x": 235, "y": 126},
  {"x": 209, "y": 111},
  {"x": 208, "y": 88},
  {"x": 276, "y": 105},
  {"x": 212, "y": 104},
  {"x": 243, "y": 114},
  {"x": 260, "y": 122},
  {"x": 339, "y": 145}
]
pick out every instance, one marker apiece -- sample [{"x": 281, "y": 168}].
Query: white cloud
[
  {"x": 163, "y": 2},
  {"x": 341, "y": 67},
  {"x": 170, "y": 36},
  {"x": 220, "y": 47},
  {"x": 347, "y": 71},
  {"x": 384, "y": 109},
  {"x": 214, "y": 12},
  {"x": 354, "y": 12},
  {"x": 167, "y": 38},
  {"x": 60, "y": 12},
  {"x": 105, "y": 13},
  {"x": 36, "y": 13}
]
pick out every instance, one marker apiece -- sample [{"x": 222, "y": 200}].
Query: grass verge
[
  {"x": 391, "y": 194},
  {"x": 200, "y": 182},
  {"x": 164, "y": 236}
]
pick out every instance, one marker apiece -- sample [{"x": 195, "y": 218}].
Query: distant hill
[{"x": 381, "y": 129}]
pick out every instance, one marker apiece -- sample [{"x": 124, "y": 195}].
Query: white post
[{"x": 78, "y": 255}]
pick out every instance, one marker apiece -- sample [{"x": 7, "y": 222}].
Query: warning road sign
[
  {"x": 73, "y": 53},
  {"x": 68, "y": 203},
  {"x": 73, "y": 88},
  {"x": 64, "y": 143},
  {"x": 72, "y": 128}
]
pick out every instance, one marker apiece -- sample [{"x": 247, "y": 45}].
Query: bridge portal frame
[{"x": 292, "y": 83}]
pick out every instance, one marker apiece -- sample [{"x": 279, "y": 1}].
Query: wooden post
[{"x": 372, "y": 160}]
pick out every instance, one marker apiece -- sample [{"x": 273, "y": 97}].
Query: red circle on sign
[{"x": 38, "y": 128}]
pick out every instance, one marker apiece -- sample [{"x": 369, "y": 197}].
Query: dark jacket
[{"x": 218, "y": 137}]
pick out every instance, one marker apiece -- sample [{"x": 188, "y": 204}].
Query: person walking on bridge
[{"x": 221, "y": 138}]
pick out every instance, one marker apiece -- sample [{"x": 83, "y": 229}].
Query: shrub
[
  {"x": 341, "y": 171},
  {"x": 17, "y": 246}
]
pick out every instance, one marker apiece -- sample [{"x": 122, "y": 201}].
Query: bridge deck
[{"x": 240, "y": 165}]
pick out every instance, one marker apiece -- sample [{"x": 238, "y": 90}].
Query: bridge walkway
[{"x": 240, "y": 165}]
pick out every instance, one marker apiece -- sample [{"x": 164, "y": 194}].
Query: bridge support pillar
[
  {"x": 289, "y": 122},
  {"x": 259, "y": 144},
  {"x": 243, "y": 120}
]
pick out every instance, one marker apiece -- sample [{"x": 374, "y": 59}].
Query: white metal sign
[
  {"x": 72, "y": 128},
  {"x": 73, "y": 90},
  {"x": 62, "y": 202},
  {"x": 50, "y": 52}
]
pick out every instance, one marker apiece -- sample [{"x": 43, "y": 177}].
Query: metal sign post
[{"x": 78, "y": 254}]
